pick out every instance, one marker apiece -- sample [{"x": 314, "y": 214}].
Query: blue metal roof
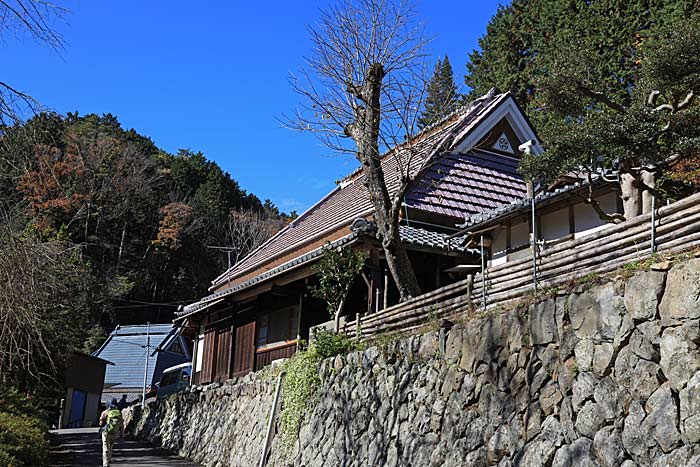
[{"x": 126, "y": 348}]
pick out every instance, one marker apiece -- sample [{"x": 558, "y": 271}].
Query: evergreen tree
[
  {"x": 442, "y": 97},
  {"x": 528, "y": 41},
  {"x": 584, "y": 70}
]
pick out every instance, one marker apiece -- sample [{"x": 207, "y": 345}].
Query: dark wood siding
[
  {"x": 267, "y": 356},
  {"x": 223, "y": 354},
  {"x": 244, "y": 354},
  {"x": 209, "y": 357}
]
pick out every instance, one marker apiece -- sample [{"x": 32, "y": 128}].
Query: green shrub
[
  {"x": 302, "y": 381},
  {"x": 329, "y": 344},
  {"x": 298, "y": 387},
  {"x": 12, "y": 401},
  {"x": 22, "y": 441}
]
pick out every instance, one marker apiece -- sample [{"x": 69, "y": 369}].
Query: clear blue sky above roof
[{"x": 211, "y": 78}]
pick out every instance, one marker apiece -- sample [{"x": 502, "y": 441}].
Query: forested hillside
[{"x": 101, "y": 227}]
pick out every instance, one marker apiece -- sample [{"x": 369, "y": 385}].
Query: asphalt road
[{"x": 83, "y": 447}]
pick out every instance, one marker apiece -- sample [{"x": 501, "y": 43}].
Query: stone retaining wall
[{"x": 608, "y": 376}]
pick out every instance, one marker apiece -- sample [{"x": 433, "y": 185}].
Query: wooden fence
[{"x": 677, "y": 228}]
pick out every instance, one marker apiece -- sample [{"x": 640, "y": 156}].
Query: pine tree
[
  {"x": 528, "y": 42},
  {"x": 606, "y": 82},
  {"x": 442, "y": 97}
]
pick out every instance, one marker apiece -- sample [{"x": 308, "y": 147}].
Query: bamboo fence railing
[{"x": 677, "y": 228}]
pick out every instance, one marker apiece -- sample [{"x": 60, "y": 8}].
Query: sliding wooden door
[{"x": 244, "y": 353}]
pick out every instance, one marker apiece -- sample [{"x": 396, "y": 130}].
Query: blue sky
[{"x": 212, "y": 78}]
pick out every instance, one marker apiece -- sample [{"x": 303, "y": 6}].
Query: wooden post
[
  {"x": 653, "y": 223},
  {"x": 301, "y": 301},
  {"x": 195, "y": 349},
  {"x": 60, "y": 415},
  {"x": 386, "y": 288},
  {"x": 271, "y": 421},
  {"x": 437, "y": 271},
  {"x": 376, "y": 278},
  {"x": 483, "y": 274},
  {"x": 232, "y": 348},
  {"x": 534, "y": 246},
  {"x": 145, "y": 368},
  {"x": 368, "y": 283}
]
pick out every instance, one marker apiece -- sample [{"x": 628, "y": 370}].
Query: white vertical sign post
[{"x": 145, "y": 368}]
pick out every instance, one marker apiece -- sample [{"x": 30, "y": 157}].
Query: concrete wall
[{"x": 605, "y": 376}]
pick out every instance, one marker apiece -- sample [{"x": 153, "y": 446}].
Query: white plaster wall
[
  {"x": 498, "y": 247},
  {"x": 200, "y": 354},
  {"x": 587, "y": 221},
  {"x": 519, "y": 232},
  {"x": 555, "y": 225}
]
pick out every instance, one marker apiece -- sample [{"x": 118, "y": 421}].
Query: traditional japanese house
[{"x": 259, "y": 309}]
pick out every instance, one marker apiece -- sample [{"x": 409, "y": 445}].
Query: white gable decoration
[
  {"x": 509, "y": 110},
  {"x": 502, "y": 144}
]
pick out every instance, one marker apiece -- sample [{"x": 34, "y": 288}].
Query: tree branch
[{"x": 602, "y": 98}]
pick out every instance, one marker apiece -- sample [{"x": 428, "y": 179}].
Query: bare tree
[
  {"x": 246, "y": 230},
  {"x": 364, "y": 85},
  {"x": 44, "y": 295},
  {"x": 33, "y": 18}
]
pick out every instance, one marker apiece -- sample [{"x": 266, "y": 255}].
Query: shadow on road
[{"x": 83, "y": 447}]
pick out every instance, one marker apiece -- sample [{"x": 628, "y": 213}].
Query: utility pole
[
  {"x": 226, "y": 249},
  {"x": 145, "y": 368}
]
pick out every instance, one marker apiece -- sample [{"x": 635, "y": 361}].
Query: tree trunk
[
  {"x": 649, "y": 180},
  {"x": 339, "y": 312},
  {"x": 400, "y": 267},
  {"x": 121, "y": 249},
  {"x": 630, "y": 195},
  {"x": 365, "y": 133}
]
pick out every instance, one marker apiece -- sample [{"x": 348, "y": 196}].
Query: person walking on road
[
  {"x": 123, "y": 403},
  {"x": 111, "y": 425}
]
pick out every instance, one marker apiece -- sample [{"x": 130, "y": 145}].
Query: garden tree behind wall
[
  {"x": 588, "y": 74},
  {"x": 365, "y": 83},
  {"x": 49, "y": 298},
  {"x": 337, "y": 270}
]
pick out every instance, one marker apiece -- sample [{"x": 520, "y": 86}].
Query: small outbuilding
[{"x": 84, "y": 380}]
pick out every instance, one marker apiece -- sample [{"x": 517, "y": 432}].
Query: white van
[{"x": 174, "y": 379}]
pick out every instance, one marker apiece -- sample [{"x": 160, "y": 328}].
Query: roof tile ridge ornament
[{"x": 363, "y": 226}]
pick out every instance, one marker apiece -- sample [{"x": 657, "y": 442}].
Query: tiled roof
[
  {"x": 126, "y": 348},
  {"x": 409, "y": 235},
  {"x": 350, "y": 199},
  {"x": 430, "y": 239},
  {"x": 524, "y": 204},
  {"x": 462, "y": 184}
]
